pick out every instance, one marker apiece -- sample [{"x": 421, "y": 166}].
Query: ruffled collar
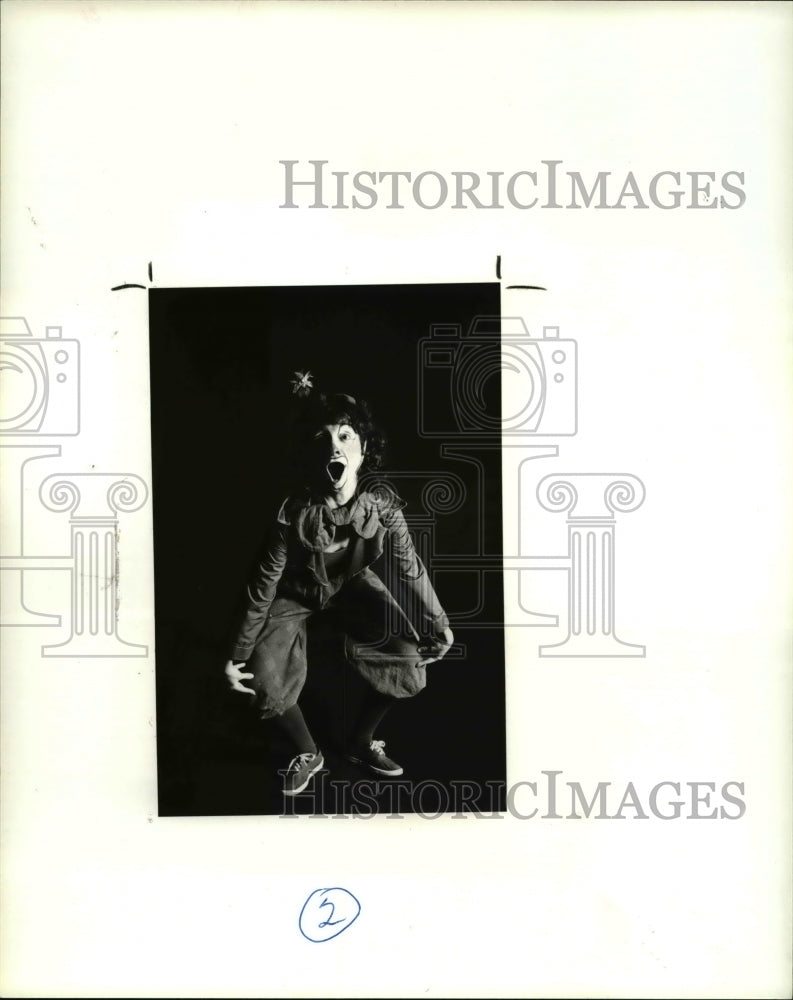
[{"x": 315, "y": 524}]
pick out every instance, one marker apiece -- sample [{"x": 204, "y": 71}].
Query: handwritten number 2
[
  {"x": 330, "y": 921},
  {"x": 316, "y": 925}
]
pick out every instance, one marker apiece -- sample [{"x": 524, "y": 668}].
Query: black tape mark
[
  {"x": 150, "y": 271},
  {"x": 498, "y": 267},
  {"x": 119, "y": 287},
  {"x": 539, "y": 288}
]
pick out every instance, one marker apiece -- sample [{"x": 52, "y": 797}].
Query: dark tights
[
  {"x": 293, "y": 726},
  {"x": 374, "y": 706}
]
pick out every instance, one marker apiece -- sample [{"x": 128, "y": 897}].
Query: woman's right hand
[
  {"x": 236, "y": 674},
  {"x": 436, "y": 648}
]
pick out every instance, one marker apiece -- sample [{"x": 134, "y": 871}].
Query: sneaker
[
  {"x": 299, "y": 772},
  {"x": 374, "y": 758}
]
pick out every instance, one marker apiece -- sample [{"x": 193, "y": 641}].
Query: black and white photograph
[
  {"x": 327, "y": 576},
  {"x": 395, "y": 466}
]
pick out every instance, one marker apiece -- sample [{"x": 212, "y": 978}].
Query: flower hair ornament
[{"x": 301, "y": 383}]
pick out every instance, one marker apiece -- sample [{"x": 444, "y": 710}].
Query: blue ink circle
[{"x": 326, "y": 913}]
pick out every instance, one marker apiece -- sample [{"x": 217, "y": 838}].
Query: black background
[{"x": 221, "y": 361}]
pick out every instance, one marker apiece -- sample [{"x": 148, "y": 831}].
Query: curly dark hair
[{"x": 318, "y": 409}]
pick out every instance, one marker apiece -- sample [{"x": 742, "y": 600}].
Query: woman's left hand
[{"x": 438, "y": 649}]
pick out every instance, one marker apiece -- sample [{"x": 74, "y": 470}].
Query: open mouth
[{"x": 336, "y": 470}]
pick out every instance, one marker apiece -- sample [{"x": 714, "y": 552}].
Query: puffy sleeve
[
  {"x": 417, "y": 596},
  {"x": 260, "y": 592}
]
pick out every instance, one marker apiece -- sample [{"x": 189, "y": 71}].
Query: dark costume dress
[{"x": 295, "y": 578}]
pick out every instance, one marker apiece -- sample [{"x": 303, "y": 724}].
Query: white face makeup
[{"x": 341, "y": 453}]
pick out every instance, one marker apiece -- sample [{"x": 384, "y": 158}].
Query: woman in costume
[{"x": 317, "y": 559}]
